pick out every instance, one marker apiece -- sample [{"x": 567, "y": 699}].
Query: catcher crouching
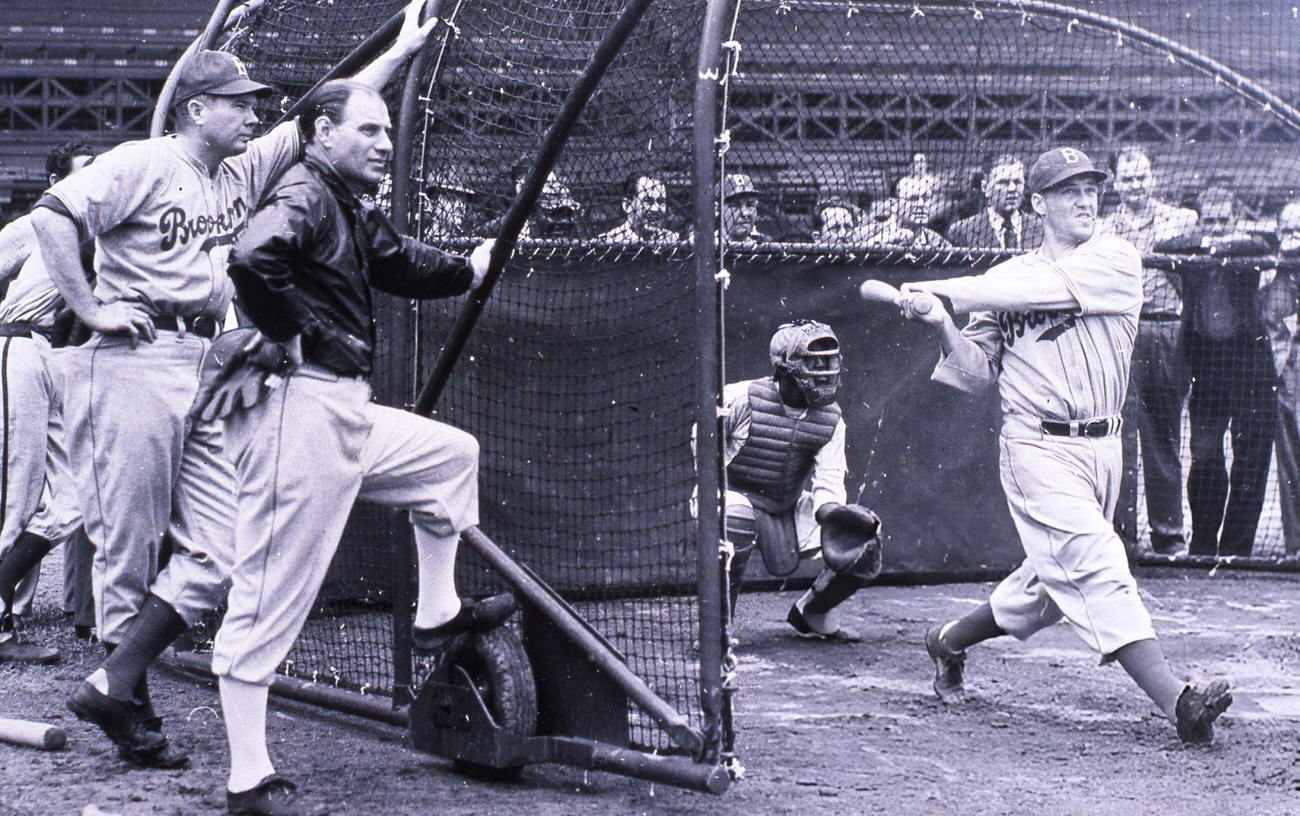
[{"x": 781, "y": 432}]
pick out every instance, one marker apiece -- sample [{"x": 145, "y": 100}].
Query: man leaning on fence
[
  {"x": 1281, "y": 302},
  {"x": 1158, "y": 380},
  {"x": 1231, "y": 366}
]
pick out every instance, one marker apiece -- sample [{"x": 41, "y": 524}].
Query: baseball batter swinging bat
[
  {"x": 881, "y": 292},
  {"x": 32, "y": 734}
]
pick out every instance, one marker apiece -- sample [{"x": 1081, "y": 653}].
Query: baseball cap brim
[
  {"x": 238, "y": 87},
  {"x": 1065, "y": 174}
]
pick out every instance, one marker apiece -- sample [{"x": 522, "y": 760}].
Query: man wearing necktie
[{"x": 1002, "y": 224}]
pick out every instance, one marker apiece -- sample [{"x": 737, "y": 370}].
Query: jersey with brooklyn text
[
  {"x": 1051, "y": 363},
  {"x": 163, "y": 226}
]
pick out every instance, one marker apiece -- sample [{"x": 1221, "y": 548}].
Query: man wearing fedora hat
[
  {"x": 164, "y": 213},
  {"x": 1054, "y": 328}
]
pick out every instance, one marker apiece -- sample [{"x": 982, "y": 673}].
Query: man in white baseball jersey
[
  {"x": 1159, "y": 378},
  {"x": 1054, "y": 329},
  {"x": 303, "y": 269},
  {"x": 164, "y": 213},
  {"x": 1281, "y": 303},
  {"x": 37, "y": 507}
]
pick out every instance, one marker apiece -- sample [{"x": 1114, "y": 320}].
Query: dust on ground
[{"x": 823, "y": 728}]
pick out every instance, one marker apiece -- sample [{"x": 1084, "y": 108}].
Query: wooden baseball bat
[
  {"x": 881, "y": 292},
  {"x": 32, "y": 734}
]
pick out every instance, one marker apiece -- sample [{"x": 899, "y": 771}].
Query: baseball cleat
[
  {"x": 165, "y": 757},
  {"x": 949, "y": 667},
  {"x": 474, "y": 616},
  {"x": 116, "y": 718},
  {"x": 15, "y": 651},
  {"x": 1196, "y": 711},
  {"x": 273, "y": 796},
  {"x": 799, "y": 621}
]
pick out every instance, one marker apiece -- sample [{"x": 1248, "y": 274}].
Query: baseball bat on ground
[
  {"x": 881, "y": 292},
  {"x": 32, "y": 734}
]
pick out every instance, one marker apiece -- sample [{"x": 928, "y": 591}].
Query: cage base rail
[{"x": 478, "y": 740}]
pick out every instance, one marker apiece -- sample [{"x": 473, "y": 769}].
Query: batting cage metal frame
[
  {"x": 592, "y": 709},
  {"x": 591, "y": 367}
]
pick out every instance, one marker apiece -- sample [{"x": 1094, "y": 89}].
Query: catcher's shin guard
[
  {"x": 741, "y": 532},
  {"x": 829, "y": 590},
  {"x": 832, "y": 588}
]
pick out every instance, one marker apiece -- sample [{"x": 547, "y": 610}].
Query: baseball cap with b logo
[
  {"x": 217, "y": 73},
  {"x": 1061, "y": 164}
]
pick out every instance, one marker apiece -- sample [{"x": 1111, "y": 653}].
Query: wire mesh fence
[{"x": 898, "y": 135}]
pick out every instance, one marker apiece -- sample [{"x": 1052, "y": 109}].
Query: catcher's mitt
[
  {"x": 237, "y": 373},
  {"x": 847, "y": 529}
]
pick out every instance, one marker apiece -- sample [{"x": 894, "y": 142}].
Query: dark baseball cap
[
  {"x": 217, "y": 73},
  {"x": 738, "y": 184},
  {"x": 1058, "y": 165}
]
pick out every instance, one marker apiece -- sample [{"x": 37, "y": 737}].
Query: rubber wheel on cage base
[{"x": 497, "y": 665}]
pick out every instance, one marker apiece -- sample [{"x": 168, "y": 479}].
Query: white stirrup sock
[
  {"x": 436, "y": 556},
  {"x": 244, "y": 707}
]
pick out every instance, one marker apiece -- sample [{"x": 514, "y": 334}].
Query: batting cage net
[{"x": 578, "y": 378}]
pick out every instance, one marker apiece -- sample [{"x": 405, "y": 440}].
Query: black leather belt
[
  {"x": 1160, "y": 318},
  {"x": 202, "y": 325},
  {"x": 1092, "y": 428},
  {"x": 22, "y": 328}
]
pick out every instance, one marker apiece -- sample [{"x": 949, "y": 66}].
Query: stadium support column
[{"x": 710, "y": 285}]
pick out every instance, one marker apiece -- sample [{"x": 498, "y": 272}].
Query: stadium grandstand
[{"x": 80, "y": 69}]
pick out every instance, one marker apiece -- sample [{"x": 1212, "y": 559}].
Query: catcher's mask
[{"x": 809, "y": 352}]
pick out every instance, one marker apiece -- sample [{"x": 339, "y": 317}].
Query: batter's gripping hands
[{"x": 847, "y": 529}]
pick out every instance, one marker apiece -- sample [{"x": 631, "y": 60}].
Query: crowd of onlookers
[{"x": 1216, "y": 340}]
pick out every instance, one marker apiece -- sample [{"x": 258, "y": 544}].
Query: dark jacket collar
[{"x": 333, "y": 181}]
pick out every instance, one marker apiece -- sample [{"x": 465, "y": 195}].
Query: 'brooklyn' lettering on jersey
[
  {"x": 176, "y": 226},
  {"x": 1014, "y": 325}
]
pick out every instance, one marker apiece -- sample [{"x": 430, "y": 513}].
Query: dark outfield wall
[{"x": 923, "y": 455}]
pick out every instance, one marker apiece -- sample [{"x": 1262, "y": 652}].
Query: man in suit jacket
[{"x": 1001, "y": 224}]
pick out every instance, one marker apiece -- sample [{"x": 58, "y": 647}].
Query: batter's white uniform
[
  {"x": 35, "y": 488},
  {"x": 1057, "y": 337},
  {"x": 163, "y": 228}
]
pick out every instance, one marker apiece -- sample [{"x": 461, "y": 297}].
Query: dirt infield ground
[{"x": 824, "y": 729}]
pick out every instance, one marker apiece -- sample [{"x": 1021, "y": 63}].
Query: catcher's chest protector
[{"x": 774, "y": 462}]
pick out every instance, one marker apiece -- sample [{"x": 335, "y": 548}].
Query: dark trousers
[
  {"x": 1153, "y": 411},
  {"x": 1288, "y": 450},
  {"x": 1232, "y": 392},
  {"x": 78, "y": 599}
]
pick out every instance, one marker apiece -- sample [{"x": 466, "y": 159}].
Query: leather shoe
[
  {"x": 273, "y": 796},
  {"x": 119, "y": 719},
  {"x": 805, "y": 629},
  {"x": 14, "y": 650},
  {"x": 474, "y": 616},
  {"x": 1197, "y": 709}
]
